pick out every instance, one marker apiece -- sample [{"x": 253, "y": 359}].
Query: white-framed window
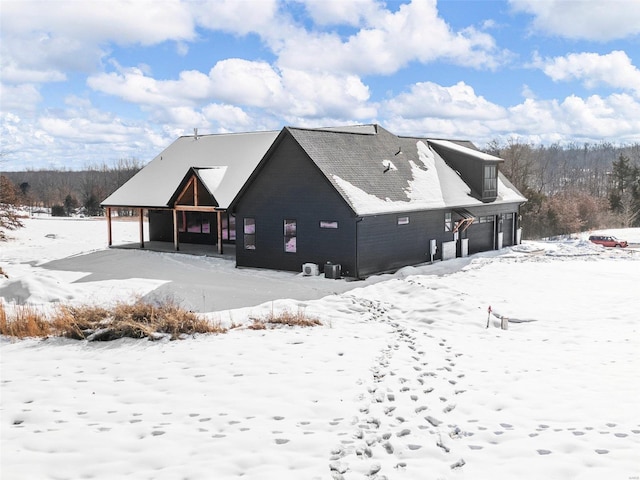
[
  {"x": 328, "y": 224},
  {"x": 403, "y": 220},
  {"x": 448, "y": 224},
  {"x": 290, "y": 236},
  {"x": 249, "y": 233}
]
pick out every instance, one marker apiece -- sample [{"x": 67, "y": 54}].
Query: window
[
  {"x": 403, "y": 220},
  {"x": 249, "y": 233},
  {"x": 193, "y": 222},
  {"x": 290, "y": 236},
  {"x": 447, "y": 222},
  {"x": 490, "y": 185},
  {"x": 485, "y": 219},
  {"x": 228, "y": 227},
  {"x": 325, "y": 224}
]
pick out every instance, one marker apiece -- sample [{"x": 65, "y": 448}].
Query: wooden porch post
[
  {"x": 219, "y": 221},
  {"x": 109, "y": 234},
  {"x": 176, "y": 245},
  {"x": 141, "y": 212}
]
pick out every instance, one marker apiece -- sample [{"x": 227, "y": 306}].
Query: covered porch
[{"x": 224, "y": 232}]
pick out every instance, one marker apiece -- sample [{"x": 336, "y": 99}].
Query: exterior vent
[{"x": 310, "y": 269}]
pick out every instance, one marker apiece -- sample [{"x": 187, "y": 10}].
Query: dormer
[{"x": 479, "y": 170}]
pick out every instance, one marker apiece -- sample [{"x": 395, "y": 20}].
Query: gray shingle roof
[
  {"x": 384, "y": 173},
  {"x": 374, "y": 170}
]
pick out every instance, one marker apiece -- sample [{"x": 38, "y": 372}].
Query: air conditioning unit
[
  {"x": 332, "y": 270},
  {"x": 310, "y": 269}
]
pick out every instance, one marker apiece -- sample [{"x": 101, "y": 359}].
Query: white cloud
[
  {"x": 42, "y": 40},
  {"x": 387, "y": 43},
  {"x": 144, "y": 22},
  {"x": 341, "y": 12},
  {"x": 289, "y": 92},
  {"x": 235, "y": 16},
  {"x": 228, "y": 118},
  {"x": 527, "y": 92},
  {"x": 19, "y": 98},
  {"x": 614, "y": 69},
  {"x": 246, "y": 83},
  {"x": 74, "y": 137},
  {"x": 428, "y": 99},
  {"x": 592, "y": 119},
  {"x": 324, "y": 96},
  {"x": 583, "y": 19}
]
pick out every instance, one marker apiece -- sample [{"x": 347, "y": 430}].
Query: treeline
[
  {"x": 569, "y": 188},
  {"x": 573, "y": 188},
  {"x": 65, "y": 192}
]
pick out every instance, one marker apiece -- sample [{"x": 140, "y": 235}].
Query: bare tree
[{"x": 9, "y": 219}]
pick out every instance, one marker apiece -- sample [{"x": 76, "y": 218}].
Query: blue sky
[{"x": 87, "y": 82}]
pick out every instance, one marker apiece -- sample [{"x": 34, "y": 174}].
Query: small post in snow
[{"x": 488, "y": 315}]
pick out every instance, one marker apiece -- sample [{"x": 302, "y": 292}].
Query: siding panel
[
  {"x": 383, "y": 245},
  {"x": 291, "y": 187}
]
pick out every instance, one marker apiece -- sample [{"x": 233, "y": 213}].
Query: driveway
[{"x": 200, "y": 283}]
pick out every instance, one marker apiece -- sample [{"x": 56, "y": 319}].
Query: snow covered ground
[{"x": 403, "y": 380}]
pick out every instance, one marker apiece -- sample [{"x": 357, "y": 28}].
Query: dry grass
[
  {"x": 284, "y": 318},
  {"x": 25, "y": 322},
  {"x": 135, "y": 320},
  {"x": 139, "y": 319}
]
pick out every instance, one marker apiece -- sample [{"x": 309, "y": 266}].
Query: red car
[{"x": 608, "y": 241}]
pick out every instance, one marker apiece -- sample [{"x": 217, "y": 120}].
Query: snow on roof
[
  {"x": 230, "y": 158},
  {"x": 417, "y": 179},
  {"x": 212, "y": 178},
  {"x": 507, "y": 192},
  {"x": 466, "y": 150},
  {"x": 374, "y": 170}
]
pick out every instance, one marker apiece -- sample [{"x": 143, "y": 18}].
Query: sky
[{"x": 94, "y": 82}]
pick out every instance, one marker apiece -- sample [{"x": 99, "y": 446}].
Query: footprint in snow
[{"x": 433, "y": 421}]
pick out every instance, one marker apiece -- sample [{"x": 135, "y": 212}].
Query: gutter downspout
[{"x": 357, "y": 257}]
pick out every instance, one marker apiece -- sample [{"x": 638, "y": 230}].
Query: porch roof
[{"x": 224, "y": 162}]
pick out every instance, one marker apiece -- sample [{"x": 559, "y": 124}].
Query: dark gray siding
[
  {"x": 160, "y": 226},
  {"x": 383, "y": 245},
  {"x": 290, "y": 186}
]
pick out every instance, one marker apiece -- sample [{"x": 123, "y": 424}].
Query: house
[
  {"x": 370, "y": 201},
  {"x": 188, "y": 187},
  {"x": 357, "y": 198}
]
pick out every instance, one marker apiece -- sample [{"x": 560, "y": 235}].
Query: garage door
[{"x": 480, "y": 234}]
